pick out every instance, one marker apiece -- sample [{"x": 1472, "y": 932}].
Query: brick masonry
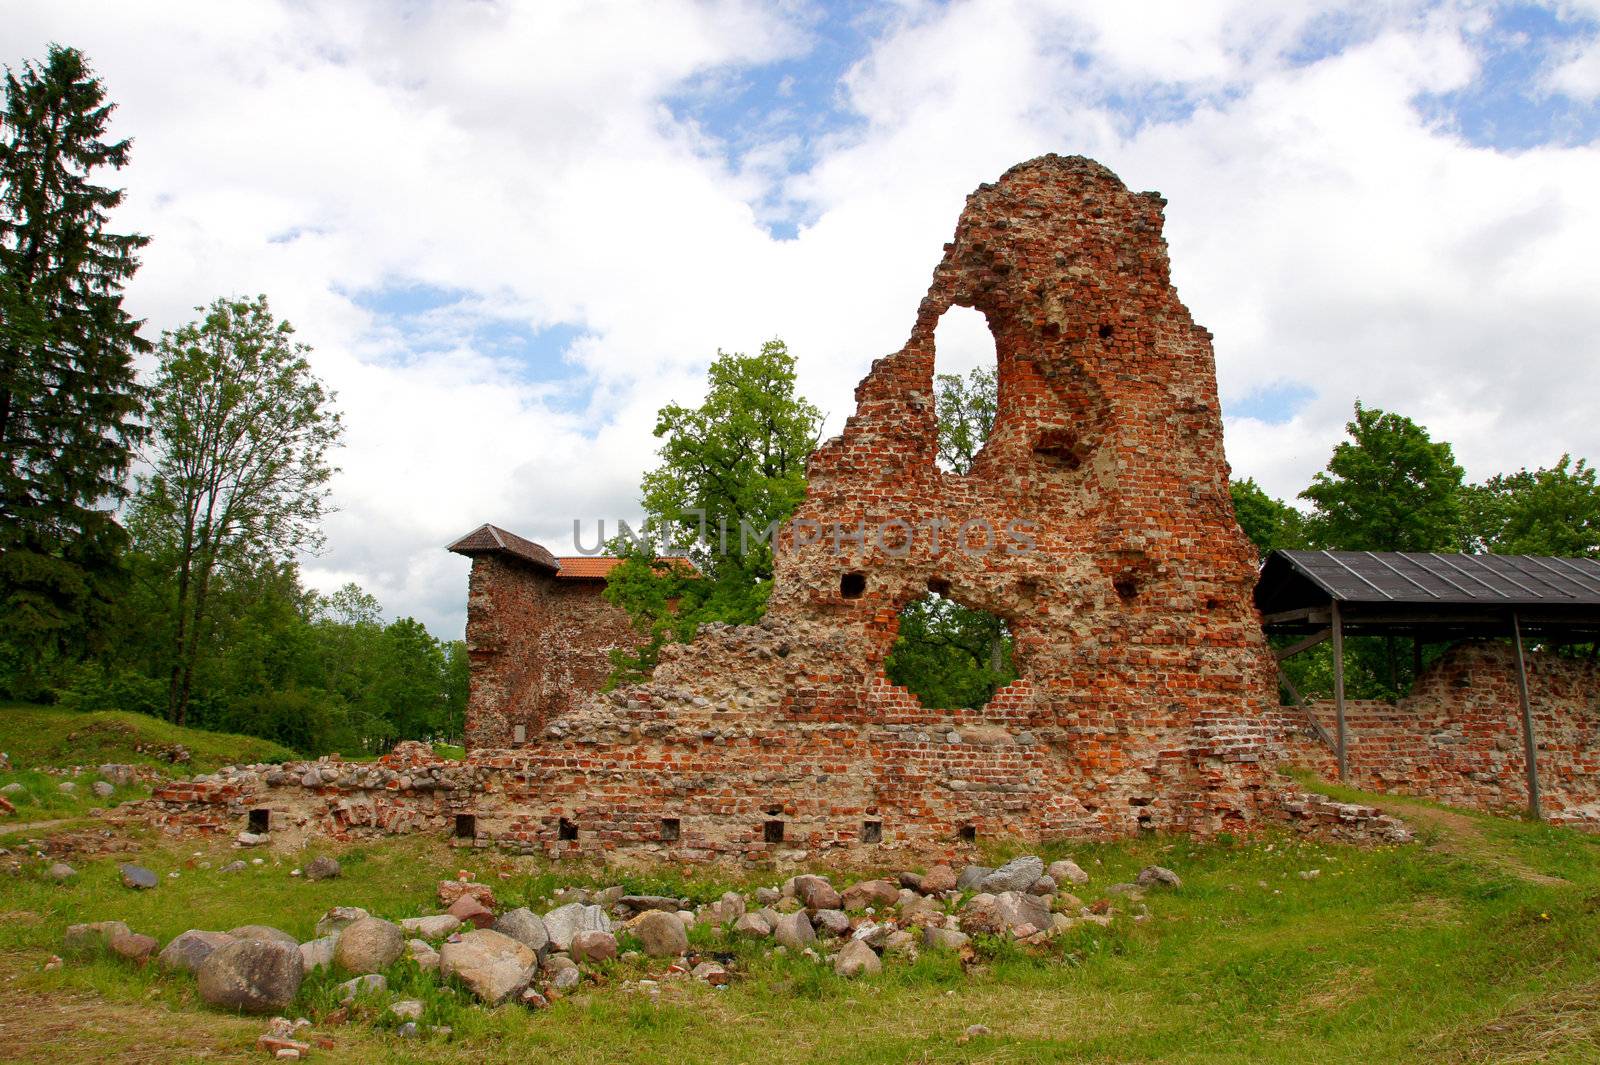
[{"x": 1146, "y": 698}]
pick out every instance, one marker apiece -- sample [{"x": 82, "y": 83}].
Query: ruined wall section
[
  {"x": 1457, "y": 738},
  {"x": 537, "y": 644}
]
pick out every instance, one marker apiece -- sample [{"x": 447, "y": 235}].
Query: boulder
[
  {"x": 60, "y": 872},
  {"x": 252, "y": 975},
  {"x": 137, "y": 877},
  {"x": 370, "y": 984},
  {"x": 1018, "y": 874},
  {"x": 794, "y": 931},
  {"x": 599, "y": 946},
  {"x": 134, "y": 947},
  {"x": 564, "y": 922},
  {"x": 422, "y": 952},
  {"x": 95, "y": 935},
  {"x": 815, "y": 893},
  {"x": 1158, "y": 874},
  {"x": 469, "y": 910},
  {"x": 856, "y": 958},
  {"x": 971, "y": 877},
  {"x": 102, "y": 790},
  {"x": 637, "y": 904},
  {"x": 1045, "y": 885},
  {"x": 1067, "y": 871},
  {"x": 322, "y": 867},
  {"x": 436, "y": 927},
  {"x": 526, "y": 927},
  {"x": 118, "y": 774},
  {"x": 901, "y": 943},
  {"x": 753, "y": 925},
  {"x": 234, "y": 867},
  {"x": 938, "y": 880},
  {"x": 264, "y": 932},
  {"x": 368, "y": 945},
  {"x": 832, "y": 923},
  {"x": 340, "y": 917},
  {"x": 660, "y": 934},
  {"x": 944, "y": 938},
  {"x": 1005, "y": 912},
  {"x": 318, "y": 953},
  {"x": 188, "y": 949},
  {"x": 451, "y": 890},
  {"x": 876, "y": 893},
  {"x": 494, "y": 967},
  {"x": 732, "y": 906},
  {"x": 911, "y": 881}
]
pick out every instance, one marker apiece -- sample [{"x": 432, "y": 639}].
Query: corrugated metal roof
[
  {"x": 491, "y": 539},
  {"x": 1377, "y": 577}
]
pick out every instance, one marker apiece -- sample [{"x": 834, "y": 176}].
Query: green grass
[
  {"x": 1414, "y": 953},
  {"x": 37, "y": 736}
]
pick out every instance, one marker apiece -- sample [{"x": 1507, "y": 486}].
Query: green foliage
[
  {"x": 69, "y": 403},
  {"x": 1390, "y": 487},
  {"x": 732, "y": 470},
  {"x": 239, "y": 469},
  {"x": 966, "y": 411},
  {"x": 1271, "y": 524},
  {"x": 950, "y": 655},
  {"x": 1553, "y": 511}
]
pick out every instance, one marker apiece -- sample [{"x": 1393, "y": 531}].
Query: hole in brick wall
[
  {"x": 853, "y": 585},
  {"x": 1127, "y": 587},
  {"x": 938, "y": 586},
  {"x": 1060, "y": 449},
  {"x": 872, "y": 832},
  {"x": 466, "y": 826},
  {"x": 965, "y": 386},
  {"x": 566, "y": 829},
  {"x": 670, "y": 829},
  {"x": 260, "y": 821},
  {"x": 1107, "y": 331},
  {"x": 772, "y": 831},
  {"x": 1212, "y": 604},
  {"x": 968, "y": 834},
  {"x": 1028, "y": 588},
  {"x": 948, "y": 655}
]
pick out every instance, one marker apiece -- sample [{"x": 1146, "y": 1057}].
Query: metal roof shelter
[{"x": 1326, "y": 595}]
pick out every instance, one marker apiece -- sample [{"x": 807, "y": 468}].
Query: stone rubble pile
[{"x": 504, "y": 955}]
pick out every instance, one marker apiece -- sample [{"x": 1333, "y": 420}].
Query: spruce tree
[{"x": 69, "y": 401}]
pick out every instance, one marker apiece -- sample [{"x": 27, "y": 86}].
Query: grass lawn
[{"x": 1479, "y": 943}]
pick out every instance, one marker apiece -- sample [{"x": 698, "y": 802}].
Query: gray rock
[
  {"x": 526, "y": 927},
  {"x": 102, "y": 789},
  {"x": 794, "y": 931},
  {"x": 832, "y": 923},
  {"x": 436, "y": 927},
  {"x": 1008, "y": 910},
  {"x": 661, "y": 934},
  {"x": 565, "y": 922},
  {"x": 370, "y": 984},
  {"x": 368, "y": 945},
  {"x": 252, "y": 839},
  {"x": 118, "y": 774},
  {"x": 408, "y": 1030},
  {"x": 494, "y": 967},
  {"x": 856, "y": 958},
  {"x": 234, "y": 867},
  {"x": 340, "y": 917},
  {"x": 634, "y": 904},
  {"x": 253, "y": 975},
  {"x": 1158, "y": 874},
  {"x": 815, "y": 893},
  {"x": 318, "y": 953},
  {"x": 409, "y": 1009},
  {"x": 597, "y": 946},
  {"x": 322, "y": 867},
  {"x": 767, "y": 896},
  {"x": 944, "y": 938},
  {"x": 422, "y": 952},
  {"x": 1018, "y": 874},
  {"x": 264, "y": 932},
  {"x": 66, "y": 787},
  {"x": 566, "y": 979},
  {"x": 12, "y": 789},
  {"x": 95, "y": 935},
  {"x": 1045, "y": 885},
  {"x": 188, "y": 949},
  {"x": 60, "y": 872},
  {"x": 753, "y": 925},
  {"x": 733, "y": 906},
  {"x": 1066, "y": 871},
  {"x": 137, "y": 877},
  {"x": 971, "y": 877}
]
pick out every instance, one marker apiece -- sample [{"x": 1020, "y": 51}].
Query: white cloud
[{"x": 524, "y": 155}]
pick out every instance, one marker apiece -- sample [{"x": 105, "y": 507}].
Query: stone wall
[
  {"x": 1457, "y": 737},
  {"x": 538, "y": 641}
]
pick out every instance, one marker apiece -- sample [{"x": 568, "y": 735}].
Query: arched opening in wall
[
  {"x": 948, "y": 655},
  {"x": 965, "y": 386}
]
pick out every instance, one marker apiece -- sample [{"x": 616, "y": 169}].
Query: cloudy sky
[{"x": 512, "y": 230}]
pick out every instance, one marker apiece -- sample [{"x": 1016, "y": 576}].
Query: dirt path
[
  {"x": 35, "y": 826},
  {"x": 1461, "y": 835}
]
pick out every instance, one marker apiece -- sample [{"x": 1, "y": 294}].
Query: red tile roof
[{"x": 586, "y": 567}]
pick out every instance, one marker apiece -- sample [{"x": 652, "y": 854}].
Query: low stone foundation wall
[{"x": 1457, "y": 738}]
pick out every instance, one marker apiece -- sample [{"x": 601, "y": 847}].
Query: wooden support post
[
  {"x": 1338, "y": 689},
  {"x": 1530, "y": 750}
]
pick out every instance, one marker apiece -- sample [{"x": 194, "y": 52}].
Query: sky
[{"x": 510, "y": 232}]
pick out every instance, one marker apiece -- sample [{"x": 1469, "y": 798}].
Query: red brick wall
[
  {"x": 1457, "y": 737},
  {"x": 536, "y": 643}
]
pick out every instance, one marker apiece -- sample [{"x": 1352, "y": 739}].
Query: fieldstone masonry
[{"x": 1096, "y": 522}]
